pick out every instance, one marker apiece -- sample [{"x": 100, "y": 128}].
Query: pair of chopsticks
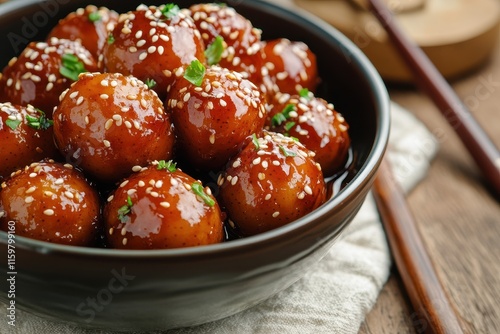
[{"x": 414, "y": 265}]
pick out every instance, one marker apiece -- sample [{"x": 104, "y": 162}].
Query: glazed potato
[
  {"x": 90, "y": 26},
  {"x": 316, "y": 124},
  {"x": 273, "y": 181},
  {"x": 162, "y": 207},
  {"x": 150, "y": 42},
  {"x": 51, "y": 202},
  {"x": 241, "y": 41},
  {"x": 109, "y": 123},
  {"x": 43, "y": 71},
  {"x": 25, "y": 137},
  {"x": 288, "y": 67},
  {"x": 212, "y": 117}
]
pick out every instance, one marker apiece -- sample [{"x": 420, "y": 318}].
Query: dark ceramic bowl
[{"x": 161, "y": 289}]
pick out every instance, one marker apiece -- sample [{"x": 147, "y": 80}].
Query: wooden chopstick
[
  {"x": 434, "y": 313},
  {"x": 430, "y": 80}
]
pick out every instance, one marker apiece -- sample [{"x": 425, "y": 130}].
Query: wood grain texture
[{"x": 458, "y": 218}]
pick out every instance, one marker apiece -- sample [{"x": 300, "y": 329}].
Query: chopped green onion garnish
[
  {"x": 167, "y": 165},
  {"x": 255, "y": 141},
  {"x": 94, "y": 17},
  {"x": 289, "y": 125},
  {"x": 198, "y": 190},
  {"x": 13, "y": 124},
  {"x": 287, "y": 153},
  {"x": 170, "y": 10},
  {"x": 150, "y": 83},
  {"x": 278, "y": 119},
  {"x": 125, "y": 210},
  {"x": 304, "y": 92},
  {"x": 195, "y": 72},
  {"x": 40, "y": 123},
  {"x": 214, "y": 51},
  {"x": 111, "y": 38},
  {"x": 71, "y": 66}
]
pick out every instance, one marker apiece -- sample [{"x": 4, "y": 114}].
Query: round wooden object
[{"x": 457, "y": 35}]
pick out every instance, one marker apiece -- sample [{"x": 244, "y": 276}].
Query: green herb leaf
[
  {"x": 13, "y": 124},
  {"x": 125, "y": 210},
  {"x": 214, "y": 51},
  {"x": 40, "y": 123},
  {"x": 150, "y": 83},
  {"x": 289, "y": 125},
  {"x": 167, "y": 165},
  {"x": 304, "y": 92},
  {"x": 278, "y": 119},
  {"x": 170, "y": 10},
  {"x": 71, "y": 66},
  {"x": 94, "y": 17},
  {"x": 195, "y": 73},
  {"x": 198, "y": 190},
  {"x": 287, "y": 153},
  {"x": 111, "y": 38},
  {"x": 255, "y": 141}
]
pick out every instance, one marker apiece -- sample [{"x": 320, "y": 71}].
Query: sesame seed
[
  {"x": 49, "y": 212},
  {"x": 143, "y": 56},
  {"x": 59, "y": 181},
  {"x": 123, "y": 230},
  {"x": 2, "y": 213},
  {"x": 106, "y": 143},
  {"x": 276, "y": 214},
  {"x": 124, "y": 241},
  {"x": 301, "y": 195},
  {"x": 144, "y": 103},
  {"x": 212, "y": 139},
  {"x": 30, "y": 190},
  {"x": 262, "y": 176},
  {"x": 154, "y": 194},
  {"x": 130, "y": 192},
  {"x": 33, "y": 175},
  {"x": 268, "y": 197},
  {"x": 70, "y": 166},
  {"x": 159, "y": 184},
  {"x": 165, "y": 204},
  {"x": 234, "y": 180},
  {"x": 87, "y": 121},
  {"x": 111, "y": 230},
  {"x": 104, "y": 96},
  {"x": 124, "y": 183},
  {"x": 73, "y": 95},
  {"x": 79, "y": 101},
  {"x": 48, "y": 193},
  {"x": 108, "y": 124},
  {"x": 308, "y": 190},
  {"x": 256, "y": 161},
  {"x": 69, "y": 195},
  {"x": 29, "y": 199}
]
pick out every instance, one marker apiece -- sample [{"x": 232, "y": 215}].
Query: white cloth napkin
[{"x": 337, "y": 293}]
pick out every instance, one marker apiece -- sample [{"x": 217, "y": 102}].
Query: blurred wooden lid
[{"x": 457, "y": 35}]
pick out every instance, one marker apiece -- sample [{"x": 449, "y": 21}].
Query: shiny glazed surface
[{"x": 183, "y": 287}]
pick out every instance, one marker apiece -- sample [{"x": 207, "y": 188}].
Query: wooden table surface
[{"x": 458, "y": 218}]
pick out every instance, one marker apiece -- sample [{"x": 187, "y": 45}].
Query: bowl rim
[{"x": 381, "y": 101}]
